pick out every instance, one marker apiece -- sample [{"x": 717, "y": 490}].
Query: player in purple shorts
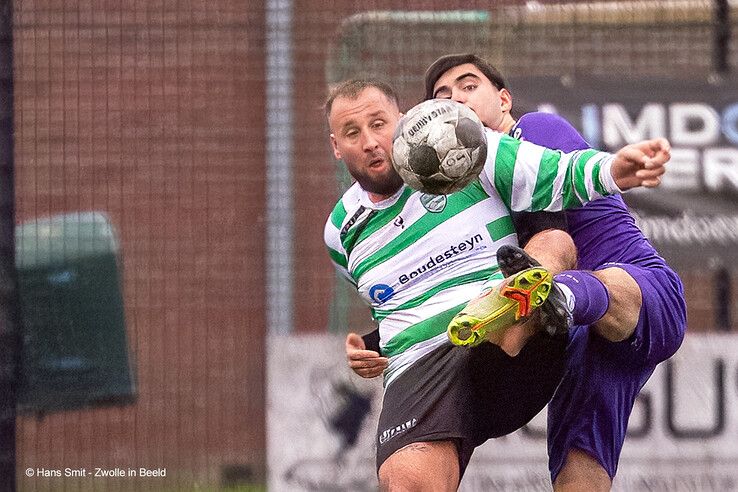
[
  {"x": 626, "y": 304},
  {"x": 599, "y": 370}
]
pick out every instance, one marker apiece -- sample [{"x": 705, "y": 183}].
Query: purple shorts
[{"x": 591, "y": 408}]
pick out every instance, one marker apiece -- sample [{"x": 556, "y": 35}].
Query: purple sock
[{"x": 590, "y": 295}]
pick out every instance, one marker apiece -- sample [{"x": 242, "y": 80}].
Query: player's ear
[
  {"x": 334, "y": 144},
  {"x": 506, "y": 100}
]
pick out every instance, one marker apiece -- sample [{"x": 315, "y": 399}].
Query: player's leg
[
  {"x": 554, "y": 249},
  {"x": 500, "y": 306},
  {"x": 624, "y": 306},
  {"x": 513, "y": 338},
  {"x": 421, "y": 466},
  {"x": 608, "y": 299},
  {"x": 612, "y": 299},
  {"x": 588, "y": 416},
  {"x": 428, "y": 426},
  {"x": 582, "y": 473}
]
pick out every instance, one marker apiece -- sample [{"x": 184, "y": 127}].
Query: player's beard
[
  {"x": 383, "y": 180},
  {"x": 385, "y": 184}
]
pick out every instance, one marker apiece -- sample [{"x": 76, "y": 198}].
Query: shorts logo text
[{"x": 388, "y": 434}]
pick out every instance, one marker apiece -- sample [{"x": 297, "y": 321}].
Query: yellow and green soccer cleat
[{"x": 513, "y": 299}]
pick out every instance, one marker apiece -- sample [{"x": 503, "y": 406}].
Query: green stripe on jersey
[
  {"x": 457, "y": 202},
  {"x": 425, "y": 330},
  {"x": 338, "y": 257},
  {"x": 570, "y": 199},
  {"x": 507, "y": 154},
  {"x": 373, "y": 221},
  {"x": 596, "y": 177},
  {"x": 380, "y": 314},
  {"x": 348, "y": 241},
  {"x": 501, "y": 227},
  {"x": 385, "y": 216},
  {"x": 338, "y": 215},
  {"x": 547, "y": 171},
  {"x": 579, "y": 182}
]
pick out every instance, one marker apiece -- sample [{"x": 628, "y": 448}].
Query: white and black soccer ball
[{"x": 439, "y": 147}]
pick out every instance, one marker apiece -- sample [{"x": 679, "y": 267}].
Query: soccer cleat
[
  {"x": 513, "y": 299},
  {"x": 555, "y": 315}
]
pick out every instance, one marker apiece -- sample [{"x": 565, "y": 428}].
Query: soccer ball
[{"x": 439, "y": 147}]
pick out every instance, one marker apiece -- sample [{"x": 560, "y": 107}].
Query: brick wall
[{"x": 153, "y": 112}]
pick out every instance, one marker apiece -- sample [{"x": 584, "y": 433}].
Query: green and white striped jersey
[{"x": 417, "y": 259}]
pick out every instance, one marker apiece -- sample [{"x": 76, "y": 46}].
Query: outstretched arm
[{"x": 528, "y": 177}]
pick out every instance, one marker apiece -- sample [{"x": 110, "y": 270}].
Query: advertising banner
[
  {"x": 696, "y": 206},
  {"x": 321, "y": 424}
]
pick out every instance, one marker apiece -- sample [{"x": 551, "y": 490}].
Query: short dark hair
[
  {"x": 353, "y": 87},
  {"x": 447, "y": 62}
]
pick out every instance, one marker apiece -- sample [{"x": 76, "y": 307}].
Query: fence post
[
  {"x": 9, "y": 307},
  {"x": 721, "y": 40}
]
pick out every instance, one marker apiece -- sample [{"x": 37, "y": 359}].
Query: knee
[
  {"x": 390, "y": 482},
  {"x": 394, "y": 475},
  {"x": 624, "y": 310},
  {"x": 421, "y": 466},
  {"x": 554, "y": 249}
]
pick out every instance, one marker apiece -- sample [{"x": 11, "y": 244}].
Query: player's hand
[
  {"x": 641, "y": 164},
  {"x": 365, "y": 363}
]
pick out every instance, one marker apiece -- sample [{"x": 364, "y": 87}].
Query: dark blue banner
[{"x": 696, "y": 207}]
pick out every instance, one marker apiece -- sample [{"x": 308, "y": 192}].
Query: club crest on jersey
[
  {"x": 433, "y": 203},
  {"x": 381, "y": 293}
]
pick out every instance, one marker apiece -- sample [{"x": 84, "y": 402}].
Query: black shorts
[{"x": 469, "y": 395}]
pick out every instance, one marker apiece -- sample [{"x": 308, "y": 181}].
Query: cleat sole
[{"x": 513, "y": 300}]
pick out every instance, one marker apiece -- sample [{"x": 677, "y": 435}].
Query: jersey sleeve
[
  {"x": 336, "y": 251},
  {"x": 552, "y": 131},
  {"x": 528, "y": 177}
]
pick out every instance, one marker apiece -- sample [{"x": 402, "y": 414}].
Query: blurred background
[{"x": 167, "y": 302}]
